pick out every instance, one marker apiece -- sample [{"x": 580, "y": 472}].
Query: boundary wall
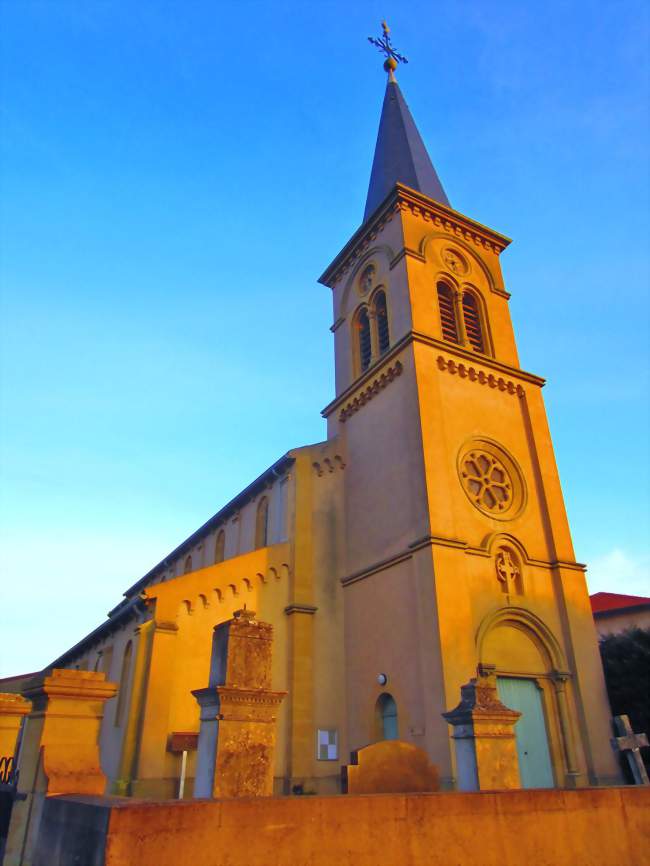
[{"x": 588, "y": 826}]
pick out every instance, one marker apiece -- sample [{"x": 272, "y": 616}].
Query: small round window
[
  {"x": 367, "y": 279},
  {"x": 491, "y": 480}
]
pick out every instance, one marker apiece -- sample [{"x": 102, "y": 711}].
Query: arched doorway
[
  {"x": 386, "y": 720},
  {"x": 528, "y": 663}
]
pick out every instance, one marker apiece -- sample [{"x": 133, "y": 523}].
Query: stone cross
[
  {"x": 507, "y": 571},
  {"x": 630, "y": 744}
]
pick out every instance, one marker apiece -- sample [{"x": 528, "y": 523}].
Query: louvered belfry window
[
  {"x": 381, "y": 313},
  {"x": 473, "y": 322},
  {"x": 365, "y": 348},
  {"x": 447, "y": 313}
]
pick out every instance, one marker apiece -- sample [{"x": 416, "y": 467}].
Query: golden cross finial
[{"x": 384, "y": 45}]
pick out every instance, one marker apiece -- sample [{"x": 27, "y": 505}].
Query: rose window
[{"x": 486, "y": 481}]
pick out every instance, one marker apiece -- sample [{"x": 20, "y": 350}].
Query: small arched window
[
  {"x": 381, "y": 317},
  {"x": 188, "y": 565},
  {"x": 220, "y": 546},
  {"x": 472, "y": 318},
  {"x": 262, "y": 523},
  {"x": 386, "y": 717},
  {"x": 447, "y": 313},
  {"x": 124, "y": 681},
  {"x": 365, "y": 344}
]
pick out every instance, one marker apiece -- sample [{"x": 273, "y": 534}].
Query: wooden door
[{"x": 524, "y": 695}]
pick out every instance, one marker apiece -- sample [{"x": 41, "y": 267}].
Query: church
[{"x": 424, "y": 539}]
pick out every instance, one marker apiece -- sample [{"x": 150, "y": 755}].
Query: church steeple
[{"x": 400, "y": 154}]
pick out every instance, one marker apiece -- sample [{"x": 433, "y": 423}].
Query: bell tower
[{"x": 456, "y": 550}]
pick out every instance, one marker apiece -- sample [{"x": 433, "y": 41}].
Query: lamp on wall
[{"x": 382, "y": 679}]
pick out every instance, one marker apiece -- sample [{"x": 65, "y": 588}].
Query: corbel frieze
[
  {"x": 451, "y": 225},
  {"x": 328, "y": 464},
  {"x": 373, "y": 388},
  {"x": 466, "y": 371},
  {"x": 364, "y": 243}
]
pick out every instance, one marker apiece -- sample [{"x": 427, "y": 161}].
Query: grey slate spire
[{"x": 400, "y": 154}]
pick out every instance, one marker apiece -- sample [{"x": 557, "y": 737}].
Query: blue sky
[{"x": 175, "y": 176}]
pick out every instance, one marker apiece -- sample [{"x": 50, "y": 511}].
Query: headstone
[
  {"x": 486, "y": 747},
  {"x": 630, "y": 744},
  {"x": 59, "y": 751},
  {"x": 236, "y": 746},
  {"x": 389, "y": 767}
]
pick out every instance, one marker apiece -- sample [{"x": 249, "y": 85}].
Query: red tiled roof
[{"x": 603, "y": 601}]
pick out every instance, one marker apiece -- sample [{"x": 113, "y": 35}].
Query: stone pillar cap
[
  {"x": 67, "y": 682},
  {"x": 12, "y": 704},
  {"x": 479, "y": 700}
]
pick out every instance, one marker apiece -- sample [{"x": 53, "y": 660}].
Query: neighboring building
[
  {"x": 14, "y": 685},
  {"x": 614, "y": 612},
  {"x": 425, "y": 536}
]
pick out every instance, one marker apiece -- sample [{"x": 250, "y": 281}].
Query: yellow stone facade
[{"x": 425, "y": 537}]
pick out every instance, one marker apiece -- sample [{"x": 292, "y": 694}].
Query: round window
[
  {"x": 491, "y": 479},
  {"x": 367, "y": 279}
]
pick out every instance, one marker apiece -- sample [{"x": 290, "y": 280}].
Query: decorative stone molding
[
  {"x": 441, "y": 218},
  {"x": 476, "y": 358},
  {"x": 475, "y": 375},
  {"x": 403, "y": 199},
  {"x": 372, "y": 389},
  {"x": 526, "y": 621},
  {"x": 329, "y": 464},
  {"x": 201, "y": 600},
  {"x": 375, "y": 567},
  {"x": 362, "y": 246},
  {"x": 442, "y": 346},
  {"x": 300, "y": 608}
]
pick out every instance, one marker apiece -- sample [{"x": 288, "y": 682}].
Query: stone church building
[{"x": 426, "y": 536}]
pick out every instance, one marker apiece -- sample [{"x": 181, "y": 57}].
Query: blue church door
[{"x": 524, "y": 695}]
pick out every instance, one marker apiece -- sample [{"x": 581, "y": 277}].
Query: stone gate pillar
[
  {"x": 238, "y": 712},
  {"x": 486, "y": 748},
  {"x": 59, "y": 752},
  {"x": 13, "y": 709}
]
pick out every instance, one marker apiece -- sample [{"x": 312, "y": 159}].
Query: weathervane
[{"x": 392, "y": 57}]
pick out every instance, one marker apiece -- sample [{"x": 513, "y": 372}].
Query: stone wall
[{"x": 590, "y": 827}]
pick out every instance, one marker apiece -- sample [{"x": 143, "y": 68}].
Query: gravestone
[
  {"x": 389, "y": 767},
  {"x": 238, "y": 712},
  {"x": 486, "y": 747},
  {"x": 629, "y": 744}
]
